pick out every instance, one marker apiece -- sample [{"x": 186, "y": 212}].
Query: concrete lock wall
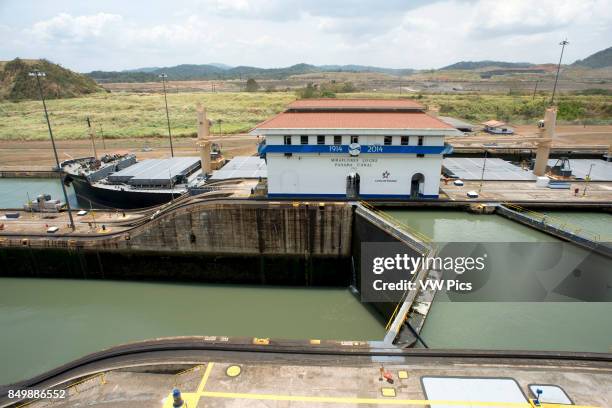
[
  {"x": 276, "y": 229},
  {"x": 222, "y": 243}
]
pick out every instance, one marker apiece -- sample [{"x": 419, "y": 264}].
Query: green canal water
[
  {"x": 14, "y": 191},
  {"x": 596, "y": 224},
  {"x": 49, "y": 322},
  {"x": 551, "y": 325}
]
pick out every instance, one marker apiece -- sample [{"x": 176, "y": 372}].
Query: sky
[{"x": 91, "y": 35}]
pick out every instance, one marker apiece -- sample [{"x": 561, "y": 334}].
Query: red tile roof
[
  {"x": 353, "y": 120},
  {"x": 375, "y": 104}
]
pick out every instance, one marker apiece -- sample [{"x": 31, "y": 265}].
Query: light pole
[
  {"x": 535, "y": 89},
  {"x": 587, "y": 179},
  {"x": 164, "y": 77},
  {"x": 37, "y": 74},
  {"x": 484, "y": 165},
  {"x": 562, "y": 44}
]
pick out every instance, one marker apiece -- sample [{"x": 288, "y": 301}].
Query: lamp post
[
  {"x": 164, "y": 77},
  {"x": 587, "y": 179},
  {"x": 484, "y": 165},
  {"x": 38, "y": 74},
  {"x": 562, "y": 44}
]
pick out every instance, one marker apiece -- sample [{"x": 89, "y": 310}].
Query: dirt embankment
[{"x": 37, "y": 155}]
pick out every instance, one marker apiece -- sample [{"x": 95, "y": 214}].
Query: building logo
[
  {"x": 386, "y": 178},
  {"x": 354, "y": 149}
]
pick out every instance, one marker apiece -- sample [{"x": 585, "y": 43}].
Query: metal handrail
[{"x": 559, "y": 223}]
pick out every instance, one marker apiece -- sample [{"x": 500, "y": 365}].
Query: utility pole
[
  {"x": 163, "y": 77},
  {"x": 535, "y": 89},
  {"x": 587, "y": 179},
  {"x": 102, "y": 134},
  {"x": 91, "y": 135},
  {"x": 562, "y": 44},
  {"x": 37, "y": 74},
  {"x": 484, "y": 165}
]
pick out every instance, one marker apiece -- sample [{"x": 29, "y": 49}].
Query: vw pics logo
[{"x": 354, "y": 149}]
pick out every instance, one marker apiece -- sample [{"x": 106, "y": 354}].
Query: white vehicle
[
  {"x": 472, "y": 194},
  {"x": 52, "y": 230}
]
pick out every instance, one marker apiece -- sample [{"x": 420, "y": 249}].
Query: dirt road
[{"x": 38, "y": 155}]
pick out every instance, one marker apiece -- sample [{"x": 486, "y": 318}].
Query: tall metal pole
[
  {"x": 91, "y": 135},
  {"x": 38, "y": 74},
  {"x": 535, "y": 89},
  {"x": 484, "y": 165},
  {"x": 587, "y": 179},
  {"x": 562, "y": 44},
  {"x": 163, "y": 77}
]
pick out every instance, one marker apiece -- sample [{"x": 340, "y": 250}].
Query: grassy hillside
[
  {"x": 469, "y": 65},
  {"x": 188, "y": 72},
  {"x": 137, "y": 115},
  {"x": 16, "y": 84},
  {"x": 600, "y": 59}
]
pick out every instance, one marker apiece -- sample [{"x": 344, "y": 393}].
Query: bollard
[
  {"x": 537, "y": 400},
  {"x": 178, "y": 401}
]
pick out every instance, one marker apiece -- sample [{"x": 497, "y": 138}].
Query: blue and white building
[{"x": 354, "y": 148}]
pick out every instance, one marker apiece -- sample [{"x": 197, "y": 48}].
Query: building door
[
  {"x": 417, "y": 185},
  {"x": 352, "y": 186}
]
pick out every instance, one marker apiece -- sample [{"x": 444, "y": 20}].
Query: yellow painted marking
[
  {"x": 351, "y": 400},
  {"x": 315, "y": 341},
  {"x": 233, "y": 371},
  {"x": 205, "y": 377},
  {"x": 402, "y": 374},
  {"x": 388, "y": 392}
]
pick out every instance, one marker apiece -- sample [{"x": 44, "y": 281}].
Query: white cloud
[
  {"x": 67, "y": 28},
  {"x": 272, "y": 33},
  {"x": 493, "y": 18}
]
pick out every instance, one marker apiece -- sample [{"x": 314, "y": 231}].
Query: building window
[
  {"x": 420, "y": 155},
  {"x": 287, "y": 140},
  {"x": 404, "y": 140},
  {"x": 420, "y": 140},
  {"x": 320, "y": 140},
  {"x": 337, "y": 140},
  {"x": 303, "y": 139},
  {"x": 355, "y": 139},
  {"x": 388, "y": 140}
]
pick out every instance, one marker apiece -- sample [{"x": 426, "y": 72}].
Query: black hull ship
[{"x": 119, "y": 181}]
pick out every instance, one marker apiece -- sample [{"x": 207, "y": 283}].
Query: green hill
[
  {"x": 219, "y": 71},
  {"x": 59, "y": 82},
  {"x": 600, "y": 59},
  {"x": 469, "y": 65}
]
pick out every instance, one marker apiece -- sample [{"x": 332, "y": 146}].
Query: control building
[{"x": 355, "y": 149}]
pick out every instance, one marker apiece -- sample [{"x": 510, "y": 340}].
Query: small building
[
  {"x": 458, "y": 124},
  {"x": 355, "y": 149},
  {"x": 497, "y": 128}
]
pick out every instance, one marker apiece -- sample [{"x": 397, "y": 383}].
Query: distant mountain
[
  {"x": 220, "y": 65},
  {"x": 222, "y": 71},
  {"x": 468, "y": 65},
  {"x": 59, "y": 82},
  {"x": 366, "y": 68},
  {"x": 147, "y": 69},
  {"x": 600, "y": 59}
]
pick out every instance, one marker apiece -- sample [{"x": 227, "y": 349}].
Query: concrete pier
[{"x": 230, "y": 372}]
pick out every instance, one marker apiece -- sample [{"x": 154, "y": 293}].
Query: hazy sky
[{"x": 121, "y": 34}]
